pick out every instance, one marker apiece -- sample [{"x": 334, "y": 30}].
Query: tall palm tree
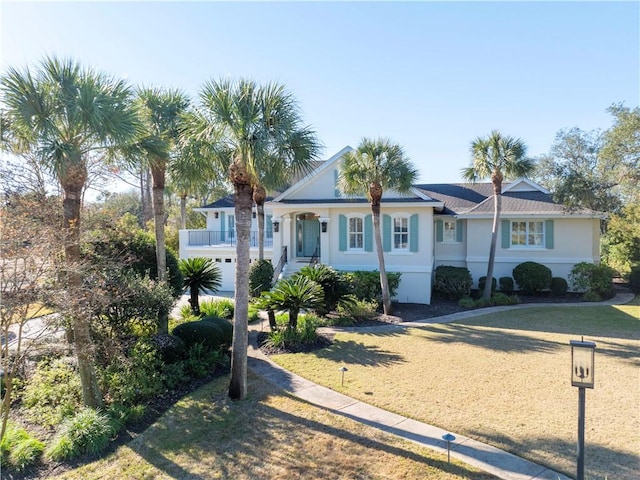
[
  {"x": 200, "y": 275},
  {"x": 374, "y": 166},
  {"x": 69, "y": 115},
  {"x": 248, "y": 123},
  {"x": 160, "y": 111},
  {"x": 498, "y": 157}
]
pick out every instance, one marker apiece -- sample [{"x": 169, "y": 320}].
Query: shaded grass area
[
  {"x": 268, "y": 436},
  {"x": 504, "y": 379}
]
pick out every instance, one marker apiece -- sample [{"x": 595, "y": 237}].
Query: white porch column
[
  {"x": 286, "y": 237},
  {"x": 324, "y": 240},
  {"x": 277, "y": 240}
]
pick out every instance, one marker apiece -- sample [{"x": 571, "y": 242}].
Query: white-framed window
[
  {"x": 400, "y": 233},
  {"x": 449, "y": 233},
  {"x": 355, "y": 233},
  {"x": 527, "y": 234}
]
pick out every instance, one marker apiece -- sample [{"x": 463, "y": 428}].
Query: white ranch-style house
[{"x": 436, "y": 224}]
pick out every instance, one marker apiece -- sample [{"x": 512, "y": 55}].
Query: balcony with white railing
[{"x": 214, "y": 238}]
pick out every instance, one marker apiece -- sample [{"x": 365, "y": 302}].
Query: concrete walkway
[{"x": 485, "y": 457}]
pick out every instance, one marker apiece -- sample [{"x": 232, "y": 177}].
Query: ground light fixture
[
  {"x": 582, "y": 376},
  {"x": 343, "y": 369},
  {"x": 447, "y": 437}
]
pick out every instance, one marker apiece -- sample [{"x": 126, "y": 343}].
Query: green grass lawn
[
  {"x": 269, "y": 436},
  {"x": 503, "y": 379}
]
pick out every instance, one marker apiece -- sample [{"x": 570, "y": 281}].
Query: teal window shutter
[
  {"x": 368, "y": 233},
  {"x": 386, "y": 233},
  {"x": 342, "y": 232},
  {"x": 439, "y": 230},
  {"x": 548, "y": 234},
  {"x": 222, "y": 225},
  {"x": 269, "y": 226},
  {"x": 506, "y": 233},
  {"x": 413, "y": 233},
  {"x": 459, "y": 231},
  {"x": 336, "y": 190}
]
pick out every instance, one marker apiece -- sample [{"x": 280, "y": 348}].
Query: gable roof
[{"x": 520, "y": 197}]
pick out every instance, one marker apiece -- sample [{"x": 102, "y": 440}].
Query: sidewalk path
[{"x": 502, "y": 464}]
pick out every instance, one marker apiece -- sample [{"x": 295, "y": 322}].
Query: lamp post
[{"x": 582, "y": 376}]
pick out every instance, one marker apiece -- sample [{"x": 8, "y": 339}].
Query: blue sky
[{"x": 431, "y": 76}]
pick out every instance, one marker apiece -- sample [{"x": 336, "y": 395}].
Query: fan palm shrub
[
  {"x": 200, "y": 275},
  {"x": 294, "y": 294}
]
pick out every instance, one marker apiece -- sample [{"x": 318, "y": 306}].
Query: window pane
[
  {"x": 356, "y": 236},
  {"x": 449, "y": 233}
]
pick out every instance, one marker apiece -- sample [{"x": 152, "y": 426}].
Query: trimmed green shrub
[
  {"x": 201, "y": 361},
  {"x": 366, "y": 285},
  {"x": 532, "y": 277},
  {"x": 482, "y": 282},
  {"x": 467, "y": 302},
  {"x": 588, "y": 277},
  {"x": 260, "y": 277},
  {"x": 223, "y": 308},
  {"x": 52, "y": 393},
  {"x": 226, "y": 328},
  {"x": 212, "y": 332},
  {"x": 359, "y": 310},
  {"x": 88, "y": 431},
  {"x": 506, "y": 284},
  {"x": 18, "y": 448},
  {"x": 499, "y": 299},
  {"x": 591, "y": 296},
  {"x": 634, "y": 279},
  {"x": 559, "y": 286},
  {"x": 170, "y": 347},
  {"x": 496, "y": 300},
  {"x": 452, "y": 282}
]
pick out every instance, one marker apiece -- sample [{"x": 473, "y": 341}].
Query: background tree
[
  {"x": 375, "y": 166},
  {"x": 497, "y": 157},
  {"x": 68, "y": 115},
  {"x": 246, "y": 123},
  {"x": 201, "y": 275},
  {"x": 160, "y": 111}
]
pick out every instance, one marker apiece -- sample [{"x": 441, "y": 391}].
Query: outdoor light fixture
[
  {"x": 323, "y": 224},
  {"x": 276, "y": 227},
  {"x": 448, "y": 438},
  {"x": 215, "y": 215},
  {"x": 343, "y": 369},
  {"x": 253, "y": 214},
  {"x": 582, "y": 376}
]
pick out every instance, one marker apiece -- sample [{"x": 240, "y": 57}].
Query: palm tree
[
  {"x": 200, "y": 275},
  {"x": 294, "y": 294},
  {"x": 374, "y": 166},
  {"x": 497, "y": 157},
  {"x": 160, "y": 111},
  {"x": 248, "y": 124},
  {"x": 70, "y": 115}
]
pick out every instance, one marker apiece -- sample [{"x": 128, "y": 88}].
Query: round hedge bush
[
  {"x": 211, "y": 334},
  {"x": 225, "y": 326},
  {"x": 559, "y": 286},
  {"x": 532, "y": 277},
  {"x": 260, "y": 277}
]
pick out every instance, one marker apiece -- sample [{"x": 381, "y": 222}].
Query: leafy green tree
[
  {"x": 621, "y": 242},
  {"x": 160, "y": 111},
  {"x": 375, "y": 166},
  {"x": 200, "y": 275},
  {"x": 621, "y": 151},
  {"x": 496, "y": 156},
  {"x": 574, "y": 173},
  {"x": 71, "y": 115},
  {"x": 294, "y": 294},
  {"x": 245, "y": 124}
]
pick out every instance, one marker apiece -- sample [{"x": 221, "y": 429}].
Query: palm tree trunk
[
  {"x": 145, "y": 197},
  {"x": 497, "y": 203},
  {"x": 91, "y": 395},
  {"x": 243, "y": 207},
  {"x": 293, "y": 318},
  {"x": 384, "y": 283},
  {"x": 158, "y": 219},
  {"x": 183, "y": 211},
  {"x": 194, "y": 300}
]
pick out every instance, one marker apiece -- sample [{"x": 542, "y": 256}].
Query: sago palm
[
  {"x": 247, "y": 125},
  {"x": 497, "y": 157},
  {"x": 375, "y": 166},
  {"x": 294, "y": 294},
  {"x": 70, "y": 115},
  {"x": 199, "y": 276}
]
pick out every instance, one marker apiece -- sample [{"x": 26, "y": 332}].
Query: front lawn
[
  {"x": 269, "y": 436},
  {"x": 503, "y": 379}
]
